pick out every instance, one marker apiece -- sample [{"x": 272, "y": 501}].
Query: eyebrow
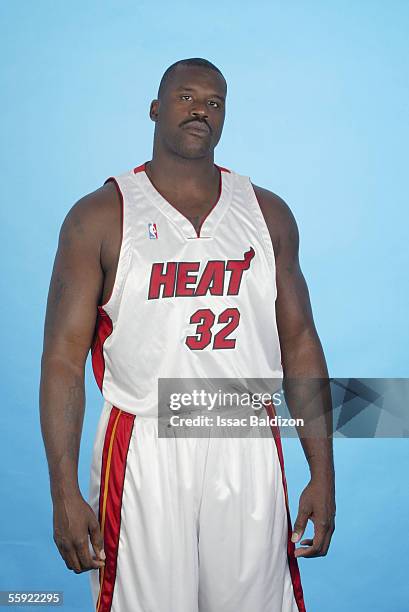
[{"x": 214, "y": 95}]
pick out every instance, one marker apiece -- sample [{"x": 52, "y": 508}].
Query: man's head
[{"x": 190, "y": 108}]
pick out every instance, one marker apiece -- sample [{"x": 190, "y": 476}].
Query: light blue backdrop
[{"x": 317, "y": 111}]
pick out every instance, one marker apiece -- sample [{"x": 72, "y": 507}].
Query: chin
[{"x": 189, "y": 153}]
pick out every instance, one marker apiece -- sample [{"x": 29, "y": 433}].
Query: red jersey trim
[
  {"x": 103, "y": 330},
  {"x": 214, "y": 205},
  {"x": 141, "y": 168}
]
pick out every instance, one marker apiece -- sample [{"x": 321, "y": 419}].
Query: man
[{"x": 180, "y": 268}]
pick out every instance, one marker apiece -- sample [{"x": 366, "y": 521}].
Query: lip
[{"x": 197, "y": 128}]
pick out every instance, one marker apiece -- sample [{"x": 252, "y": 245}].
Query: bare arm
[
  {"x": 305, "y": 375},
  {"x": 75, "y": 289}
]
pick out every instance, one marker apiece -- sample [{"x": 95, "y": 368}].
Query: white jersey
[
  {"x": 193, "y": 524},
  {"x": 186, "y": 303}
]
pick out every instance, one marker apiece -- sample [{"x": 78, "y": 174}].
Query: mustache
[{"x": 200, "y": 121}]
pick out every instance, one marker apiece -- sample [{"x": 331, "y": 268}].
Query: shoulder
[
  {"x": 92, "y": 216},
  {"x": 279, "y": 218},
  {"x": 93, "y": 209}
]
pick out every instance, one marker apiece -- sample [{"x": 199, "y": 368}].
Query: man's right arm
[{"x": 75, "y": 290}]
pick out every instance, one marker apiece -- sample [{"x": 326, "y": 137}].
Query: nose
[{"x": 199, "y": 111}]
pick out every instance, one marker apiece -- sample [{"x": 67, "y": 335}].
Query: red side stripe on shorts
[
  {"x": 292, "y": 559},
  {"x": 114, "y": 455}
]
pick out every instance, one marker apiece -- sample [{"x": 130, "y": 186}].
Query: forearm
[
  {"x": 62, "y": 404},
  {"x": 308, "y": 396}
]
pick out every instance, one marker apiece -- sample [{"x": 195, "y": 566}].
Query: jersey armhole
[
  {"x": 264, "y": 231},
  {"x": 111, "y": 304}
]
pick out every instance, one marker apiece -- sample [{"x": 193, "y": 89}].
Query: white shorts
[{"x": 190, "y": 524}]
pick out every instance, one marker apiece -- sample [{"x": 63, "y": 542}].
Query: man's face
[{"x": 190, "y": 114}]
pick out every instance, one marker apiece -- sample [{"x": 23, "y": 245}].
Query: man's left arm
[{"x": 305, "y": 382}]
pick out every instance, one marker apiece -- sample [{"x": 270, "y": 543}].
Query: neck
[{"x": 175, "y": 170}]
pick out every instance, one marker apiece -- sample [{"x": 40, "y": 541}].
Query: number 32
[{"x": 205, "y": 318}]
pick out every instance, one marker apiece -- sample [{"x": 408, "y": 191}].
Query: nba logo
[{"x": 153, "y": 231}]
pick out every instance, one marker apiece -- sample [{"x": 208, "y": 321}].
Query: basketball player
[{"x": 180, "y": 268}]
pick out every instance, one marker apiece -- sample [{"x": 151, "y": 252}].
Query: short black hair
[{"x": 192, "y": 61}]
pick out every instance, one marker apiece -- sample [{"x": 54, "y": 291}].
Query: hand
[
  {"x": 75, "y": 521},
  {"x": 317, "y": 503}
]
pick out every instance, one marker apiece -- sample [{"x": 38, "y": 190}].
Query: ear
[{"x": 153, "y": 111}]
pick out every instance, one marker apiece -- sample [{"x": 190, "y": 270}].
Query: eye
[
  {"x": 186, "y": 96},
  {"x": 215, "y": 103}
]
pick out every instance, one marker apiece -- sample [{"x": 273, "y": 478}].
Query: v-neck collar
[{"x": 210, "y": 221}]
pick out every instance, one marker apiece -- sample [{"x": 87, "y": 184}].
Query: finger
[
  {"x": 84, "y": 556},
  {"x": 319, "y": 536},
  {"x": 318, "y": 546},
  {"x": 308, "y": 542},
  {"x": 71, "y": 560},
  {"x": 327, "y": 541},
  {"x": 314, "y": 547},
  {"x": 97, "y": 540},
  {"x": 65, "y": 549},
  {"x": 299, "y": 525},
  {"x": 304, "y": 552},
  {"x": 311, "y": 550}
]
